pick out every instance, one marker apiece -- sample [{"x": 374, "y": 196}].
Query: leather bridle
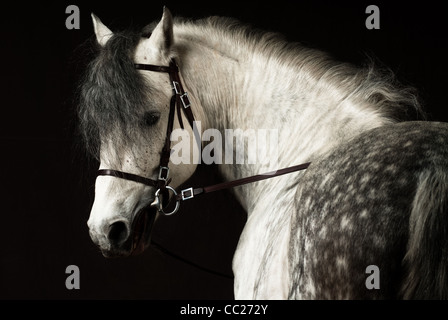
[{"x": 180, "y": 103}]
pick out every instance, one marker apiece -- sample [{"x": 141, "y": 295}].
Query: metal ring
[{"x": 158, "y": 203}]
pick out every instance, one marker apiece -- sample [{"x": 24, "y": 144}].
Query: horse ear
[
  {"x": 162, "y": 37},
  {"x": 103, "y": 34}
]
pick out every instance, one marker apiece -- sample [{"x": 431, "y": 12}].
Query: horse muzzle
[{"x": 122, "y": 238}]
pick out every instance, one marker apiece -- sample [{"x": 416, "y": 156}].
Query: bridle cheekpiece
[{"x": 180, "y": 103}]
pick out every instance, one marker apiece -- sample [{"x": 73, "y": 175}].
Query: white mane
[
  {"x": 244, "y": 78},
  {"x": 369, "y": 86}
]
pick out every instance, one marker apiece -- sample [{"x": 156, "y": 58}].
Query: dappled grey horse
[{"x": 367, "y": 219}]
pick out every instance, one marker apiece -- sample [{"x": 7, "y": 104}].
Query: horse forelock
[{"x": 113, "y": 95}]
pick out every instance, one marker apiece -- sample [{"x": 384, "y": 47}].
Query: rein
[{"x": 181, "y": 103}]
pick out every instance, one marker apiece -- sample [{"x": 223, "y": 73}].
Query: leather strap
[
  {"x": 192, "y": 192},
  {"x": 127, "y": 176},
  {"x": 151, "y": 67},
  {"x": 179, "y": 99},
  {"x": 182, "y": 100}
]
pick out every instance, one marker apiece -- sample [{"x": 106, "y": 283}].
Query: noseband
[{"x": 180, "y": 101}]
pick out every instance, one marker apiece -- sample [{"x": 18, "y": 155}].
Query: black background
[{"x": 47, "y": 181}]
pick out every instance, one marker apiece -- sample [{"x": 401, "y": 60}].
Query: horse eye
[{"x": 151, "y": 118}]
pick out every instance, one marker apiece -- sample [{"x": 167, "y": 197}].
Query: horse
[{"x": 368, "y": 219}]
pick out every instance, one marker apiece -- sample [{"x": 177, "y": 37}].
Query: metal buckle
[
  {"x": 163, "y": 176},
  {"x": 158, "y": 203},
  {"x": 187, "y": 194},
  {"x": 176, "y": 87},
  {"x": 185, "y": 100}
]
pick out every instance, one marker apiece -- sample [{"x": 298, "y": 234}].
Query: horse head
[{"x": 124, "y": 113}]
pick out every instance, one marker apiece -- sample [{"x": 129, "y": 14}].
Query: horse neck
[{"x": 238, "y": 87}]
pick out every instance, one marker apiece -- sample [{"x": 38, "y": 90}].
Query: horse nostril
[{"x": 118, "y": 232}]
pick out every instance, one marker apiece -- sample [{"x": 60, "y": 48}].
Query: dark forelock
[{"x": 113, "y": 94}]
